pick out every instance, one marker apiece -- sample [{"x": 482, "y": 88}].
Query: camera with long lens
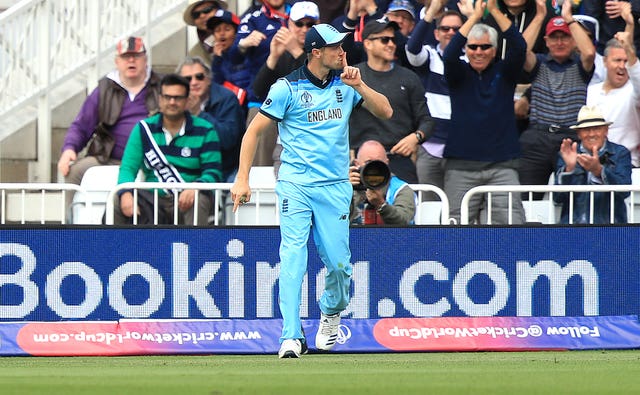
[{"x": 373, "y": 175}]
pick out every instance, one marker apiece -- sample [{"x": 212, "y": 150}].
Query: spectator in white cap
[
  {"x": 403, "y": 13},
  {"x": 286, "y": 54},
  {"x": 289, "y": 40},
  {"x": 197, "y": 14},
  {"x": 593, "y": 161}
]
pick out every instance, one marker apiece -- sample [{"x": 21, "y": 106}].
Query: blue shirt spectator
[{"x": 593, "y": 161}]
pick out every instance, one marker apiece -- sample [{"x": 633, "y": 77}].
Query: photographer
[{"x": 392, "y": 202}]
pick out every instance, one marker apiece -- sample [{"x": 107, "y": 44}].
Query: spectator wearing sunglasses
[
  {"x": 286, "y": 55},
  {"x": 197, "y": 14},
  {"x": 219, "y": 106},
  {"x": 410, "y": 124},
  {"x": 429, "y": 158},
  {"x": 287, "y": 47},
  {"x": 482, "y": 145},
  {"x": 361, "y": 12}
]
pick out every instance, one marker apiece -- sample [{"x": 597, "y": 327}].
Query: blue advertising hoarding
[{"x": 53, "y": 274}]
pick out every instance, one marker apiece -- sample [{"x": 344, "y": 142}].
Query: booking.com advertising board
[{"x": 99, "y": 274}]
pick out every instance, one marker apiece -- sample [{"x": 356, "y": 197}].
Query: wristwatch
[
  {"x": 383, "y": 205},
  {"x": 420, "y": 137}
]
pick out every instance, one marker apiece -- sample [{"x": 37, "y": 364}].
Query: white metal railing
[
  {"x": 261, "y": 210},
  {"x": 488, "y": 190},
  {"x": 46, "y": 43},
  {"x": 220, "y": 191},
  {"x": 263, "y": 203},
  {"x": 14, "y": 205},
  {"x": 442, "y": 204}
]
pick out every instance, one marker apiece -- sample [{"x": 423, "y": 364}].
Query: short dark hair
[
  {"x": 174, "y": 79},
  {"x": 449, "y": 13}
]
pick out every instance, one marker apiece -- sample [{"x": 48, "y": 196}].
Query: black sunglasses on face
[
  {"x": 198, "y": 76},
  {"x": 384, "y": 39},
  {"x": 483, "y": 47},
  {"x": 445, "y": 29},
  {"x": 307, "y": 24},
  {"x": 205, "y": 10}
]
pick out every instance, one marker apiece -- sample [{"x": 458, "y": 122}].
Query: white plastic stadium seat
[
  {"x": 96, "y": 182},
  {"x": 429, "y": 213},
  {"x": 247, "y": 214},
  {"x": 542, "y": 211}
]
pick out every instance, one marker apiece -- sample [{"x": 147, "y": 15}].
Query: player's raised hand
[{"x": 350, "y": 75}]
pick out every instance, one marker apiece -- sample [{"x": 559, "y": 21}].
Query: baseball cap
[
  {"x": 130, "y": 45},
  {"x": 187, "y": 16},
  {"x": 222, "y": 16},
  {"x": 378, "y": 25},
  {"x": 557, "y": 24},
  {"x": 304, "y": 9},
  {"x": 321, "y": 36},
  {"x": 402, "y": 5}
]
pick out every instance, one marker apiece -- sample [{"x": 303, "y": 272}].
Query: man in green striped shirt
[{"x": 171, "y": 146}]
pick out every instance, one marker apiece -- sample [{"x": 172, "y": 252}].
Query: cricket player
[{"x": 312, "y": 106}]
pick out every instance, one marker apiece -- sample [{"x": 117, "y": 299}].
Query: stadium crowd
[{"x": 483, "y": 93}]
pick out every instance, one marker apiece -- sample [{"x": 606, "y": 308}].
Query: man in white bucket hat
[{"x": 593, "y": 161}]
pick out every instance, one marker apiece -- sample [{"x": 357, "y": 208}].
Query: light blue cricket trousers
[{"x": 327, "y": 209}]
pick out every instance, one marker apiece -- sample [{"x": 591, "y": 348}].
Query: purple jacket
[{"x": 82, "y": 127}]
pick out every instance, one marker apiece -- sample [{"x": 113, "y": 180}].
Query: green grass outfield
[{"x": 571, "y": 372}]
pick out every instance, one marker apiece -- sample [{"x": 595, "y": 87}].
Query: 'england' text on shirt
[{"x": 324, "y": 115}]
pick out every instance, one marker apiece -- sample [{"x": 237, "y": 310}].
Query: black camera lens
[{"x": 375, "y": 174}]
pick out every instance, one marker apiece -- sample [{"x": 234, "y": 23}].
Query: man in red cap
[{"x": 559, "y": 82}]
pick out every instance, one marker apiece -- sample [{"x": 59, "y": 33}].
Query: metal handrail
[
  {"x": 421, "y": 189},
  {"x": 42, "y": 189},
  {"x": 530, "y": 189},
  {"x": 219, "y": 190}
]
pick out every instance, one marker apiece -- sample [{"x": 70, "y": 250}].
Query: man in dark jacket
[{"x": 482, "y": 146}]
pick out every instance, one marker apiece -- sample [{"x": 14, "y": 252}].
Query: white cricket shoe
[
  {"x": 290, "y": 348},
  {"x": 327, "y": 331}
]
